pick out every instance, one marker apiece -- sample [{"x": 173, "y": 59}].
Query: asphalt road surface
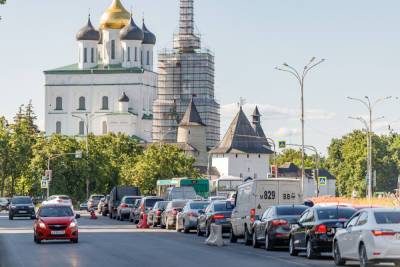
[{"x": 110, "y": 243}]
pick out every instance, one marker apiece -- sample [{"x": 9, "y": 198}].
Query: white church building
[{"x": 112, "y": 86}]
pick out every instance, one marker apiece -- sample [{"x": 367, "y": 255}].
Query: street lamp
[
  {"x": 368, "y": 126},
  {"x": 300, "y": 77}
]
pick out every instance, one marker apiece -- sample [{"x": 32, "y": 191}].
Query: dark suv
[{"x": 21, "y": 207}]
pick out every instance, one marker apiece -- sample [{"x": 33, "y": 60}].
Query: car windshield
[
  {"x": 223, "y": 206},
  {"x": 56, "y": 212},
  {"x": 149, "y": 203},
  {"x": 335, "y": 214},
  {"x": 178, "y": 204},
  {"x": 388, "y": 217},
  {"x": 21, "y": 200},
  {"x": 290, "y": 211},
  {"x": 199, "y": 205}
]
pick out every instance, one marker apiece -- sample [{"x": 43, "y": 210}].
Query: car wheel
[
  {"x": 177, "y": 227},
  {"x": 397, "y": 264},
  {"x": 255, "y": 241},
  {"x": 75, "y": 240},
  {"x": 310, "y": 254},
  {"x": 247, "y": 237},
  {"x": 10, "y": 218},
  {"x": 268, "y": 243},
  {"x": 337, "y": 257},
  {"x": 208, "y": 231},
  {"x": 363, "y": 257},
  {"x": 232, "y": 237},
  {"x": 292, "y": 248},
  {"x": 185, "y": 229},
  {"x": 110, "y": 215}
]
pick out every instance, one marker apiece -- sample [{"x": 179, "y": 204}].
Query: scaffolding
[{"x": 185, "y": 72}]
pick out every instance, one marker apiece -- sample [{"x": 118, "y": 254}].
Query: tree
[
  {"x": 4, "y": 153},
  {"x": 158, "y": 163},
  {"x": 3, "y": 2},
  {"x": 293, "y": 155}
]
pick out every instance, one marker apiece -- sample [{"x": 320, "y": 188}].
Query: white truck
[{"x": 255, "y": 196}]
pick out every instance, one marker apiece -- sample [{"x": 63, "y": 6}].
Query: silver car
[
  {"x": 124, "y": 208},
  {"x": 371, "y": 236},
  {"x": 187, "y": 218}
]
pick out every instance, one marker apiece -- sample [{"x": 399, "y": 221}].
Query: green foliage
[
  {"x": 2, "y": 2},
  {"x": 158, "y": 163},
  {"x": 293, "y": 155},
  {"x": 347, "y": 160}
]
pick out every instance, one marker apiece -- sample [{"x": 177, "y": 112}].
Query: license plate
[
  {"x": 23, "y": 211},
  {"x": 58, "y": 232}
]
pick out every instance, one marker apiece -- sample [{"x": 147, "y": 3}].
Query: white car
[
  {"x": 371, "y": 236},
  {"x": 59, "y": 199}
]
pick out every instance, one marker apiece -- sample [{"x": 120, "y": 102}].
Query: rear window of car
[
  {"x": 149, "y": 203},
  {"x": 390, "y": 217},
  {"x": 199, "y": 205},
  {"x": 56, "y": 212},
  {"x": 129, "y": 200},
  {"x": 290, "y": 211},
  {"x": 162, "y": 204},
  {"x": 335, "y": 214},
  {"x": 178, "y": 204},
  {"x": 21, "y": 200},
  {"x": 223, "y": 206}
]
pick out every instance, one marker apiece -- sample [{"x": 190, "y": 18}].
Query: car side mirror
[
  {"x": 77, "y": 216},
  {"x": 201, "y": 211}
]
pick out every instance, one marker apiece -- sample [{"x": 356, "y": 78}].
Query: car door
[
  {"x": 265, "y": 223},
  {"x": 356, "y": 234},
  {"x": 298, "y": 231},
  {"x": 344, "y": 239}
]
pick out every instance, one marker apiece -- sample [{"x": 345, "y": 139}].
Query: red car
[{"x": 55, "y": 222}]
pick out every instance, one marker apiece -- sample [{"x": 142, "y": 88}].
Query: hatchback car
[
  {"x": 55, "y": 222},
  {"x": 274, "y": 227},
  {"x": 187, "y": 218},
  {"x": 21, "y": 207},
  {"x": 371, "y": 236},
  {"x": 218, "y": 212},
  {"x": 124, "y": 208},
  {"x": 154, "y": 216},
  {"x": 144, "y": 206},
  {"x": 168, "y": 219},
  {"x": 314, "y": 231}
]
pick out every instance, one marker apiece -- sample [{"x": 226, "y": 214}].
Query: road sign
[
  {"x": 44, "y": 183},
  {"x": 322, "y": 180},
  {"x": 78, "y": 154},
  {"x": 282, "y": 144}
]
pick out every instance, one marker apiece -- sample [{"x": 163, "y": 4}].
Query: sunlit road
[{"x": 106, "y": 242}]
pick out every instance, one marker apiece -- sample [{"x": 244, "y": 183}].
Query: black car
[
  {"x": 4, "y": 203},
  {"x": 218, "y": 212},
  {"x": 314, "y": 231},
  {"x": 274, "y": 227},
  {"x": 154, "y": 216},
  {"x": 21, "y": 207}
]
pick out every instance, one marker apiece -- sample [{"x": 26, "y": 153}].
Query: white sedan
[{"x": 371, "y": 236}]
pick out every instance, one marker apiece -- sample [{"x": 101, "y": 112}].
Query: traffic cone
[
  {"x": 93, "y": 215},
  {"x": 143, "y": 221}
]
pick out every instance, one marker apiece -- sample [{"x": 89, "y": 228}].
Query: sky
[{"x": 360, "y": 40}]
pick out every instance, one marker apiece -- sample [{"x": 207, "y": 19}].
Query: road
[{"x": 106, "y": 242}]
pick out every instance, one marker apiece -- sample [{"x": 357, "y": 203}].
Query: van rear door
[
  {"x": 266, "y": 194},
  {"x": 289, "y": 192}
]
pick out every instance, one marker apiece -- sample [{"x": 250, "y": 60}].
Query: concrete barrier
[{"x": 215, "y": 238}]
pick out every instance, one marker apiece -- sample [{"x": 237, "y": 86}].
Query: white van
[{"x": 255, "y": 196}]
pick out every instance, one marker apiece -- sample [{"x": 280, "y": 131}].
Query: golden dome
[{"x": 115, "y": 17}]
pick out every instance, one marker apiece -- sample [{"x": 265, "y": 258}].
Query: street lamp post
[
  {"x": 300, "y": 77},
  {"x": 368, "y": 125}
]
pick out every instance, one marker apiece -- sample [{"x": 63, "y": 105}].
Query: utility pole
[
  {"x": 368, "y": 125},
  {"x": 300, "y": 77}
]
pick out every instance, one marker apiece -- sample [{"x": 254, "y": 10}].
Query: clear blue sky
[{"x": 360, "y": 40}]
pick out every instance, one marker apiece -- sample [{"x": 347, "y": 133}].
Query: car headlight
[
  {"x": 73, "y": 224},
  {"x": 31, "y": 206},
  {"x": 13, "y": 207},
  {"x": 42, "y": 225}
]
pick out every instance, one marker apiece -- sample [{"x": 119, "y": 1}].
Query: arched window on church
[
  {"x": 82, "y": 103},
  {"x": 92, "y": 55},
  {"x": 81, "y": 128},
  {"x": 85, "y": 55},
  {"x": 104, "y": 103},
  {"x": 58, "y": 127},
  {"x": 59, "y": 104},
  {"x": 105, "y": 130}
]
